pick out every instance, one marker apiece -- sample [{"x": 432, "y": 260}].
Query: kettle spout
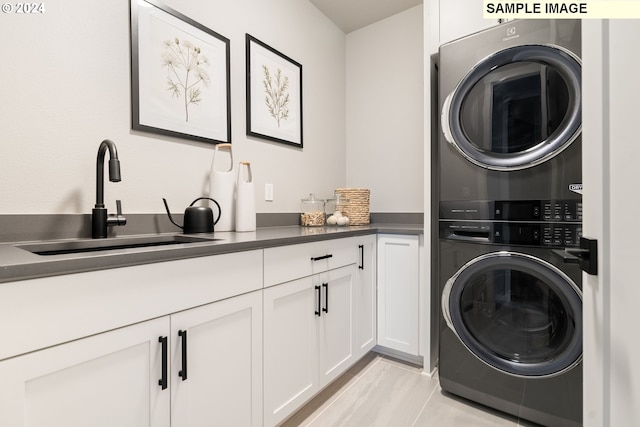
[{"x": 166, "y": 206}]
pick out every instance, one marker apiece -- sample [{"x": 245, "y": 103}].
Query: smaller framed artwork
[
  {"x": 179, "y": 75},
  {"x": 274, "y": 94}
]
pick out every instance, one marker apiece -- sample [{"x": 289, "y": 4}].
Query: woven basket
[{"x": 357, "y": 209}]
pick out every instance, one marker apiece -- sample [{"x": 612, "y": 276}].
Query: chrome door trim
[
  {"x": 520, "y": 258},
  {"x": 562, "y": 60}
]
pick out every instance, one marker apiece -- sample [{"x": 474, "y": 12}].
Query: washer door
[
  {"x": 516, "y": 313},
  {"x": 516, "y": 108}
]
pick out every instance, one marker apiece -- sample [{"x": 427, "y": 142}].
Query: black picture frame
[
  {"x": 180, "y": 75},
  {"x": 274, "y": 94}
]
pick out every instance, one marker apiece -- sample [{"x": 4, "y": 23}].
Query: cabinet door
[
  {"x": 398, "y": 292},
  {"x": 217, "y": 364},
  {"x": 365, "y": 297},
  {"x": 290, "y": 347},
  {"x": 110, "y": 379},
  {"x": 336, "y": 338}
]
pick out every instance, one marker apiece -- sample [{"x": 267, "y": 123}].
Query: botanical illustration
[
  {"x": 277, "y": 94},
  {"x": 186, "y": 75}
]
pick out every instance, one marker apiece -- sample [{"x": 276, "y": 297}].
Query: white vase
[
  {"x": 222, "y": 188},
  {"x": 245, "y": 199}
]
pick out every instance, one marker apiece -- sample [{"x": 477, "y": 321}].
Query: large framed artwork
[
  {"x": 274, "y": 94},
  {"x": 179, "y": 75}
]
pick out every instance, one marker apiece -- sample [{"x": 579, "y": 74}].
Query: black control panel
[
  {"x": 513, "y": 233},
  {"x": 547, "y": 223},
  {"x": 516, "y": 210}
]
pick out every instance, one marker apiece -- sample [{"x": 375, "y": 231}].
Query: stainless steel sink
[{"x": 97, "y": 245}]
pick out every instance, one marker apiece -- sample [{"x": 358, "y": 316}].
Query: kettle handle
[{"x": 209, "y": 198}]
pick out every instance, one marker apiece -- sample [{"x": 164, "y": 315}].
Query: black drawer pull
[
  {"x": 317, "y": 288},
  {"x": 322, "y": 257},
  {"x": 361, "y": 266},
  {"x": 183, "y": 371},
  {"x": 326, "y": 297},
  {"x": 163, "y": 377}
]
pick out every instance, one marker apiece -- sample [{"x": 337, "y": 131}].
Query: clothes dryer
[{"x": 510, "y": 103}]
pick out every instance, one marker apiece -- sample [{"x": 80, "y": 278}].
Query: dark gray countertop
[{"x": 20, "y": 264}]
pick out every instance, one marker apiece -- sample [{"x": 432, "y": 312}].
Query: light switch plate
[{"x": 268, "y": 192}]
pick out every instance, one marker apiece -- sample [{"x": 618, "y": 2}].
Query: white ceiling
[{"x": 350, "y": 15}]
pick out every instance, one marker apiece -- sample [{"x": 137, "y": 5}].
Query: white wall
[
  {"x": 66, "y": 87},
  {"x": 385, "y": 142}
]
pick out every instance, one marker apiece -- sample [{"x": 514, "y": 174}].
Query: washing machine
[
  {"x": 511, "y": 117},
  {"x": 511, "y": 319}
]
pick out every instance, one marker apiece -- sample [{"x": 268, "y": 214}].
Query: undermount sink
[{"x": 97, "y": 245}]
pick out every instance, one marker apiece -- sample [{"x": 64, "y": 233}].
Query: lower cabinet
[
  {"x": 216, "y": 364},
  {"x": 399, "y": 293},
  {"x": 308, "y": 338},
  {"x": 110, "y": 379},
  {"x": 137, "y": 375},
  {"x": 365, "y": 296}
]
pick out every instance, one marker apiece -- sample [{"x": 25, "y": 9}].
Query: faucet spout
[
  {"x": 99, "y": 218},
  {"x": 114, "y": 169}
]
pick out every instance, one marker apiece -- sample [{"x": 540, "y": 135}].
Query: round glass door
[
  {"x": 516, "y": 108},
  {"x": 516, "y": 313}
]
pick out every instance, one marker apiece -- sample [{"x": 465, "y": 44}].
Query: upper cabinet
[{"x": 460, "y": 18}]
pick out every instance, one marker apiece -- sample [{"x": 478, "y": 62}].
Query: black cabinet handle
[
  {"x": 317, "y": 288},
  {"x": 361, "y": 266},
  {"x": 163, "y": 378},
  {"x": 326, "y": 297},
  {"x": 183, "y": 371},
  {"x": 322, "y": 257}
]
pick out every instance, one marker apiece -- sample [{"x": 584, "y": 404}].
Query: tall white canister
[
  {"x": 245, "y": 199},
  {"x": 222, "y": 187}
]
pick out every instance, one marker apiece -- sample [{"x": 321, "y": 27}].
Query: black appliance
[{"x": 511, "y": 321}]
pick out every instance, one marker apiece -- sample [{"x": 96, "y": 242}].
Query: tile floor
[{"x": 380, "y": 391}]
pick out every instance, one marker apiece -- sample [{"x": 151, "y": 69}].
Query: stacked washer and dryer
[{"x": 510, "y": 179}]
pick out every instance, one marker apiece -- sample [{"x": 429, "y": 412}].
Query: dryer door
[
  {"x": 516, "y": 313},
  {"x": 516, "y": 108}
]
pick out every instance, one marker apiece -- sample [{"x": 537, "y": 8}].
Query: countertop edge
[{"x": 23, "y": 265}]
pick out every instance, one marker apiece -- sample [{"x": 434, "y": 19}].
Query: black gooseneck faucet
[{"x": 99, "y": 218}]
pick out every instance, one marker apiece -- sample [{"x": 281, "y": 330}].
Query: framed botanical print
[
  {"x": 274, "y": 94},
  {"x": 179, "y": 75}
]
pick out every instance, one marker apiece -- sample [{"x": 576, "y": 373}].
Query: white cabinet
[
  {"x": 216, "y": 364},
  {"x": 365, "y": 296},
  {"x": 399, "y": 293},
  {"x": 309, "y": 321},
  {"x": 290, "y": 348},
  {"x": 308, "y": 338},
  {"x": 137, "y": 375},
  {"x": 336, "y": 332},
  {"x": 106, "y": 380}
]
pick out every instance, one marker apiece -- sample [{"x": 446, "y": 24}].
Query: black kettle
[{"x": 197, "y": 219}]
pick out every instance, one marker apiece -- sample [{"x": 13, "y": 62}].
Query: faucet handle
[{"x": 117, "y": 219}]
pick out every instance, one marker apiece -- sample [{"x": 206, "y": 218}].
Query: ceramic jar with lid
[{"x": 312, "y": 212}]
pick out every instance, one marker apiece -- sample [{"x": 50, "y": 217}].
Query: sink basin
[{"x": 81, "y": 246}]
